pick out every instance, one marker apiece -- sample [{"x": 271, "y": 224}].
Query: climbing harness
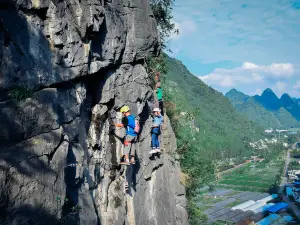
[{"x": 127, "y": 142}]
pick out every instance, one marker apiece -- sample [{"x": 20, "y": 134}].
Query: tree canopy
[{"x": 162, "y": 11}]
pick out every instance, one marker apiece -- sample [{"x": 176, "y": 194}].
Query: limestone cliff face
[{"x": 66, "y": 68}]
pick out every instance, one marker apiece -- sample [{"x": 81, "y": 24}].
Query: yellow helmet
[{"x": 124, "y": 109}]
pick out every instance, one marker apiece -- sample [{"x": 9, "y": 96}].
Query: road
[
  {"x": 233, "y": 168},
  {"x": 284, "y": 179}
]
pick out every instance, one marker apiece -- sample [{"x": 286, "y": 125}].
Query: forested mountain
[
  {"x": 268, "y": 100},
  {"x": 268, "y": 110},
  {"x": 237, "y": 97},
  {"x": 258, "y": 113},
  {"x": 293, "y": 106},
  {"x": 286, "y": 101},
  {"x": 207, "y": 126}
]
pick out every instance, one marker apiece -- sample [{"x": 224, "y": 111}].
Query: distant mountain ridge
[{"x": 267, "y": 109}]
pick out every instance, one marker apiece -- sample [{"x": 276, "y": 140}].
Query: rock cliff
[{"x": 66, "y": 69}]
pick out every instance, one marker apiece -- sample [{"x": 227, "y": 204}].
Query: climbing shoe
[
  {"x": 153, "y": 151},
  {"x": 125, "y": 162}
]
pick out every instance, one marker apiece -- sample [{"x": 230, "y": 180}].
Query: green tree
[
  {"x": 196, "y": 216},
  {"x": 162, "y": 11}
]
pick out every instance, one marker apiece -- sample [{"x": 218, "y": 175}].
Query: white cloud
[
  {"x": 188, "y": 26},
  {"x": 281, "y": 77},
  {"x": 227, "y": 82},
  {"x": 295, "y": 93},
  {"x": 246, "y": 74},
  {"x": 250, "y": 73},
  {"x": 281, "y": 69},
  {"x": 257, "y": 77},
  {"x": 249, "y": 66},
  {"x": 256, "y": 92},
  {"x": 297, "y": 85},
  {"x": 224, "y": 80},
  {"x": 279, "y": 88},
  {"x": 275, "y": 69},
  {"x": 185, "y": 27}
]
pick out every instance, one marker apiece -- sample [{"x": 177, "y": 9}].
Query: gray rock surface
[{"x": 66, "y": 69}]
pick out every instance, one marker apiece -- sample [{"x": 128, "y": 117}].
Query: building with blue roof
[
  {"x": 278, "y": 207},
  {"x": 268, "y": 220},
  {"x": 289, "y": 191},
  {"x": 293, "y": 190},
  {"x": 288, "y": 218}
]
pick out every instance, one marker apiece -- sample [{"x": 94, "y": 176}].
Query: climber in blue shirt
[
  {"x": 132, "y": 129},
  {"x": 156, "y": 131}
]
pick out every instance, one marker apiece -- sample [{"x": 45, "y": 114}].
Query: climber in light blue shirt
[{"x": 157, "y": 122}]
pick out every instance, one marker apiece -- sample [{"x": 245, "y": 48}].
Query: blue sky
[{"x": 249, "y": 45}]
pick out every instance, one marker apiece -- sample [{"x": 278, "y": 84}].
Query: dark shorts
[{"x": 161, "y": 106}]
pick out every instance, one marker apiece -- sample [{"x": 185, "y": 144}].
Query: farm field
[{"x": 258, "y": 177}]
